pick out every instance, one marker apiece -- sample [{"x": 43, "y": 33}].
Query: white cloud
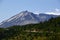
[
  {"x": 37, "y": 12},
  {"x": 56, "y": 12}
]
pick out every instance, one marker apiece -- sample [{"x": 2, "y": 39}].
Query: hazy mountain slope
[{"x": 24, "y": 18}]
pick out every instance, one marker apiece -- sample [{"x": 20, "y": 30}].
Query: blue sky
[{"x": 9, "y": 8}]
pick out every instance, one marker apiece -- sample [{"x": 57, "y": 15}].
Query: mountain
[
  {"x": 24, "y": 18},
  {"x": 46, "y": 17}
]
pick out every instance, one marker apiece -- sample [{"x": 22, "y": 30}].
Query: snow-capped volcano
[{"x": 24, "y": 18}]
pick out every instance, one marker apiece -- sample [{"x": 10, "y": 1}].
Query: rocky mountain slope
[{"x": 26, "y": 17}]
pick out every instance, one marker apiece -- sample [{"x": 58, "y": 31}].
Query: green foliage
[{"x": 48, "y": 30}]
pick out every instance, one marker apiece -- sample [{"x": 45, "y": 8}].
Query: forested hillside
[{"x": 48, "y": 30}]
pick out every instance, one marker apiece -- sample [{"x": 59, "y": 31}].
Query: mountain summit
[{"x": 25, "y": 17}]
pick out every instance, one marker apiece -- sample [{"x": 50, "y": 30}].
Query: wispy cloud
[
  {"x": 56, "y": 12},
  {"x": 37, "y": 12}
]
